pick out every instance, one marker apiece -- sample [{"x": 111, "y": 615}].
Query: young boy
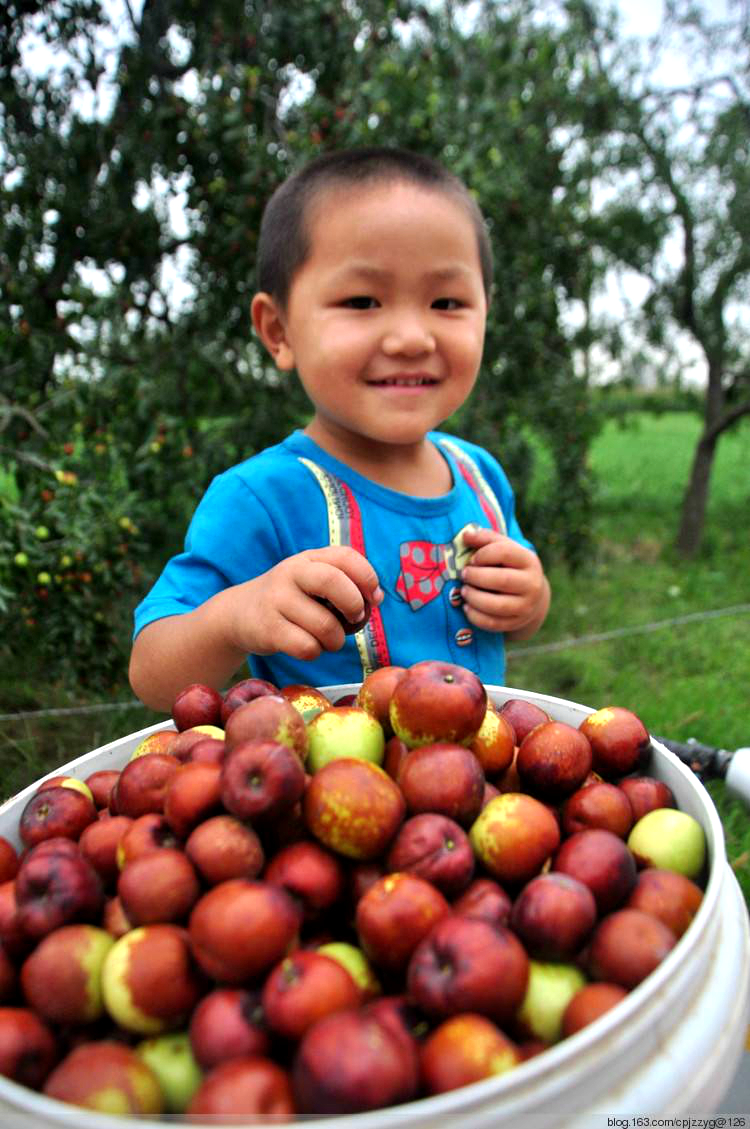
[{"x": 374, "y": 272}]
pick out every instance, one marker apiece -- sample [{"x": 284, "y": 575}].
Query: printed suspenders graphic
[
  {"x": 473, "y": 476},
  {"x": 345, "y": 528}
]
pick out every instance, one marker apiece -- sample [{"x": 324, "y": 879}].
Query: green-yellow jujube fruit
[{"x": 671, "y": 840}]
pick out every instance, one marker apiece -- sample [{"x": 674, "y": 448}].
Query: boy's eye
[
  {"x": 447, "y": 304},
  {"x": 360, "y": 302}
]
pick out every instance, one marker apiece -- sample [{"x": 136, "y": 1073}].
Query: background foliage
[{"x": 138, "y": 146}]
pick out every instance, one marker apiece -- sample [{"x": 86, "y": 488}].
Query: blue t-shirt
[{"x": 295, "y": 496}]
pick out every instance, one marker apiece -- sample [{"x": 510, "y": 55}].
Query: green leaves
[{"x": 125, "y": 315}]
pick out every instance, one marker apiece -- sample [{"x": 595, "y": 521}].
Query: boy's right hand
[{"x": 281, "y": 610}]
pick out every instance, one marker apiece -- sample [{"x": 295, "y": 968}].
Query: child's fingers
[
  {"x": 320, "y": 582},
  {"x": 302, "y": 627},
  {"x": 296, "y": 641},
  {"x": 494, "y": 579},
  {"x": 495, "y": 549},
  {"x": 493, "y": 604},
  {"x": 504, "y": 615},
  {"x": 354, "y": 565}
]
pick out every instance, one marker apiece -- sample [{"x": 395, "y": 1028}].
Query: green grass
[
  {"x": 30, "y": 747},
  {"x": 688, "y": 679}
]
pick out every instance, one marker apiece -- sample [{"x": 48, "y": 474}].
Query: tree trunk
[{"x": 696, "y": 497}]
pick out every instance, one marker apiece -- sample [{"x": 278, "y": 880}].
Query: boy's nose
[{"x": 408, "y": 335}]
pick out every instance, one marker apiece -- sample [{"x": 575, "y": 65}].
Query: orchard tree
[
  {"x": 677, "y": 169},
  {"x": 139, "y": 144}
]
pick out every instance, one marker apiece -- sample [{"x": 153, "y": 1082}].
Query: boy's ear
[{"x": 270, "y": 325}]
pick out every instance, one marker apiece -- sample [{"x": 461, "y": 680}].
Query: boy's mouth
[{"x": 404, "y": 381}]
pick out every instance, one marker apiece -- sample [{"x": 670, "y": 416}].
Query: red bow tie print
[{"x": 425, "y": 567}]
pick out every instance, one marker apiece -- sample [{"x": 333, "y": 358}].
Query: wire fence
[
  {"x": 621, "y": 632},
  {"x": 532, "y": 648}
]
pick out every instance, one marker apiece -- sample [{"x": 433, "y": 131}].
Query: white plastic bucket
[{"x": 670, "y": 1048}]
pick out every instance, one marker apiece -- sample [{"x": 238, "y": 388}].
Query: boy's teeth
[{"x": 407, "y": 383}]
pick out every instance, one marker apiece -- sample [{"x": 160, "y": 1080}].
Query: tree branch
[{"x": 726, "y": 421}]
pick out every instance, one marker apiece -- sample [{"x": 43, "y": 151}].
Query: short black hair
[{"x": 284, "y": 243}]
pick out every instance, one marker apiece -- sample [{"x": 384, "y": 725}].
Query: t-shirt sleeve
[{"x": 231, "y": 538}]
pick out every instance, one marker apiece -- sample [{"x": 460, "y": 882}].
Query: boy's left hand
[{"x": 504, "y": 586}]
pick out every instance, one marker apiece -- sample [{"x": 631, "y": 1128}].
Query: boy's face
[{"x": 385, "y": 319}]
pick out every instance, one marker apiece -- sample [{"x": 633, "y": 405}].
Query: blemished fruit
[
  {"x": 307, "y": 700},
  {"x": 620, "y": 742},
  {"x": 376, "y": 691},
  {"x": 465, "y": 1048},
  {"x": 159, "y": 742},
  {"x": 62, "y": 977},
  {"x": 291, "y": 906},
  {"x": 513, "y": 836},
  {"x": 353, "y": 807},
  {"x": 269, "y": 717},
  {"x": 494, "y": 742},
  {"x": 394, "y": 915},
  {"x": 150, "y": 981},
  {"x": 437, "y": 701}
]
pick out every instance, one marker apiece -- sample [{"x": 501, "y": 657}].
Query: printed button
[
  {"x": 455, "y": 598},
  {"x": 464, "y": 637}
]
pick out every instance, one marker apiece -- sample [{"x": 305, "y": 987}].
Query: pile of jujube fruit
[{"x": 283, "y": 905}]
